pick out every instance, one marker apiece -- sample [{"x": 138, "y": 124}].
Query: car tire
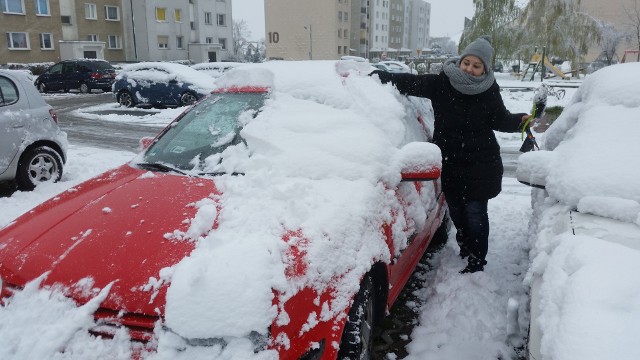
[
  {"x": 38, "y": 165},
  {"x": 84, "y": 88},
  {"x": 42, "y": 88},
  {"x": 441, "y": 235},
  {"x": 126, "y": 99},
  {"x": 357, "y": 337},
  {"x": 188, "y": 98}
]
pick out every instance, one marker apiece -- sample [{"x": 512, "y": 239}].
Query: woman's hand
[{"x": 525, "y": 122}]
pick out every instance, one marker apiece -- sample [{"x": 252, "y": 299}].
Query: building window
[
  {"x": 207, "y": 18},
  {"x": 65, "y": 20},
  {"x": 42, "y": 8},
  {"x": 339, "y": 50},
  {"x": 222, "y": 20},
  {"x": 92, "y": 37},
  {"x": 339, "y": 15},
  {"x": 177, "y": 15},
  {"x": 346, "y": 16},
  {"x": 179, "y": 42},
  {"x": 209, "y": 40},
  {"x": 114, "y": 42},
  {"x": 161, "y": 14},
  {"x": 163, "y": 42},
  {"x": 112, "y": 13},
  {"x": 13, "y": 6},
  {"x": 346, "y": 33},
  {"x": 18, "y": 40},
  {"x": 223, "y": 43},
  {"x": 339, "y": 33},
  {"x": 46, "y": 41},
  {"x": 90, "y": 12}
]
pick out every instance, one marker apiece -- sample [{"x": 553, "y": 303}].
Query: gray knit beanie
[{"x": 481, "y": 48}]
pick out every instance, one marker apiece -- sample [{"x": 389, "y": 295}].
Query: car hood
[{"x": 111, "y": 229}]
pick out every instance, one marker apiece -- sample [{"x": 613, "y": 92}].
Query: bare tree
[
  {"x": 241, "y": 34},
  {"x": 610, "y": 38}
]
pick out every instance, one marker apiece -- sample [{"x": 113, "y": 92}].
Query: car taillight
[
  {"x": 96, "y": 76},
  {"x": 53, "y": 115}
]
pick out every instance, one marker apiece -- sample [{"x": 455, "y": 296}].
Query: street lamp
[{"x": 310, "y": 42}]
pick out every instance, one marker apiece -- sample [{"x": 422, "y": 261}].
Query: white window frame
[
  {"x": 93, "y": 37},
  {"x": 180, "y": 42},
  {"x": 42, "y": 44},
  {"x": 39, "y": 11},
  {"x": 10, "y": 41},
  {"x": 118, "y": 42},
  {"x": 223, "y": 43},
  {"x": 222, "y": 17},
  {"x": 177, "y": 18},
  {"x": 5, "y": 5},
  {"x": 106, "y": 13},
  {"x": 164, "y": 45},
  {"x": 207, "y": 18},
  {"x": 90, "y": 11},
  {"x": 208, "y": 40}
]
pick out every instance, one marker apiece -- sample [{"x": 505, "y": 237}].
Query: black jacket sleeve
[
  {"x": 408, "y": 84},
  {"x": 501, "y": 119}
]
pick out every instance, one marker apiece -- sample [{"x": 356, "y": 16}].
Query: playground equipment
[
  {"x": 630, "y": 58},
  {"x": 536, "y": 65}
]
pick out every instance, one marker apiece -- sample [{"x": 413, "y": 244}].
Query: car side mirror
[
  {"x": 533, "y": 168},
  {"x": 419, "y": 161},
  {"x": 145, "y": 142}
]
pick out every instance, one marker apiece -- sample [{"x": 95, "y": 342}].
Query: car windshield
[
  {"x": 102, "y": 65},
  {"x": 195, "y": 142}
]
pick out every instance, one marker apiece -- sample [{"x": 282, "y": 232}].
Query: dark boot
[
  {"x": 464, "y": 251},
  {"x": 474, "y": 265}
]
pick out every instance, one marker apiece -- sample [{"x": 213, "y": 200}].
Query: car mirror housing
[
  {"x": 533, "y": 168},
  {"x": 419, "y": 161},
  {"x": 145, "y": 142}
]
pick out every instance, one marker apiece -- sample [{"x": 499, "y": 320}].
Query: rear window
[
  {"x": 103, "y": 65},
  {"x": 8, "y": 91}
]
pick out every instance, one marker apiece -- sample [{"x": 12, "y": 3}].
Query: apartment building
[
  {"x": 307, "y": 29},
  {"x": 359, "y": 35},
  {"x": 417, "y": 23},
  {"x": 31, "y": 31},
  {"x": 115, "y": 30}
]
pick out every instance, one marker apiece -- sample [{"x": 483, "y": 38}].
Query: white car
[
  {"x": 32, "y": 146},
  {"x": 585, "y": 246},
  {"x": 398, "y": 66},
  {"x": 216, "y": 69}
]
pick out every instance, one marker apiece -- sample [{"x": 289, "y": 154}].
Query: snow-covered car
[
  {"x": 278, "y": 218},
  {"x": 585, "y": 245},
  {"x": 160, "y": 84},
  {"x": 398, "y": 67},
  {"x": 32, "y": 146},
  {"x": 215, "y": 69}
]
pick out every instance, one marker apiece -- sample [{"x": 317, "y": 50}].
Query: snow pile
[{"x": 145, "y": 73}]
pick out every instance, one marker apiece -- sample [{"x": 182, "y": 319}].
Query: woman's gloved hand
[{"x": 384, "y": 76}]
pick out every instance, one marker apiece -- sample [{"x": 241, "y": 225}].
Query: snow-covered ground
[{"x": 474, "y": 316}]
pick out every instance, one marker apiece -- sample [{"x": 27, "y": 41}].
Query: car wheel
[
  {"x": 441, "y": 235},
  {"x": 84, "y": 88},
  {"x": 42, "y": 88},
  {"x": 126, "y": 99},
  {"x": 357, "y": 338},
  {"x": 188, "y": 98},
  {"x": 38, "y": 165}
]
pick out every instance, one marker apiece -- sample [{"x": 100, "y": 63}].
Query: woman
[{"x": 468, "y": 107}]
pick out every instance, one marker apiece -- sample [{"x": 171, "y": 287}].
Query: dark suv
[{"x": 83, "y": 75}]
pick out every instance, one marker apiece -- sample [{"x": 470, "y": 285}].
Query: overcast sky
[{"x": 447, "y": 16}]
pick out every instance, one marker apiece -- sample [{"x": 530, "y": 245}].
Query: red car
[{"x": 272, "y": 216}]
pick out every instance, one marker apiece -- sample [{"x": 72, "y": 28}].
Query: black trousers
[{"x": 471, "y": 219}]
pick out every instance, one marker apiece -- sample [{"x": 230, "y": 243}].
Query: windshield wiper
[
  {"x": 220, "y": 173},
  {"x": 160, "y": 167}
]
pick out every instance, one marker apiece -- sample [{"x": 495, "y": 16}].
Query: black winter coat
[{"x": 464, "y": 125}]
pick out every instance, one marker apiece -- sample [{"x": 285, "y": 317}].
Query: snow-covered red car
[{"x": 278, "y": 218}]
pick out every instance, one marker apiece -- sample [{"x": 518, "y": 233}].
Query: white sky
[
  {"x": 586, "y": 290},
  {"x": 447, "y": 16}
]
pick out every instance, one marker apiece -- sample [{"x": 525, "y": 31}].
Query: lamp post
[{"x": 310, "y": 42}]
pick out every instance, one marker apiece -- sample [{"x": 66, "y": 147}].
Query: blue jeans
[{"x": 471, "y": 219}]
